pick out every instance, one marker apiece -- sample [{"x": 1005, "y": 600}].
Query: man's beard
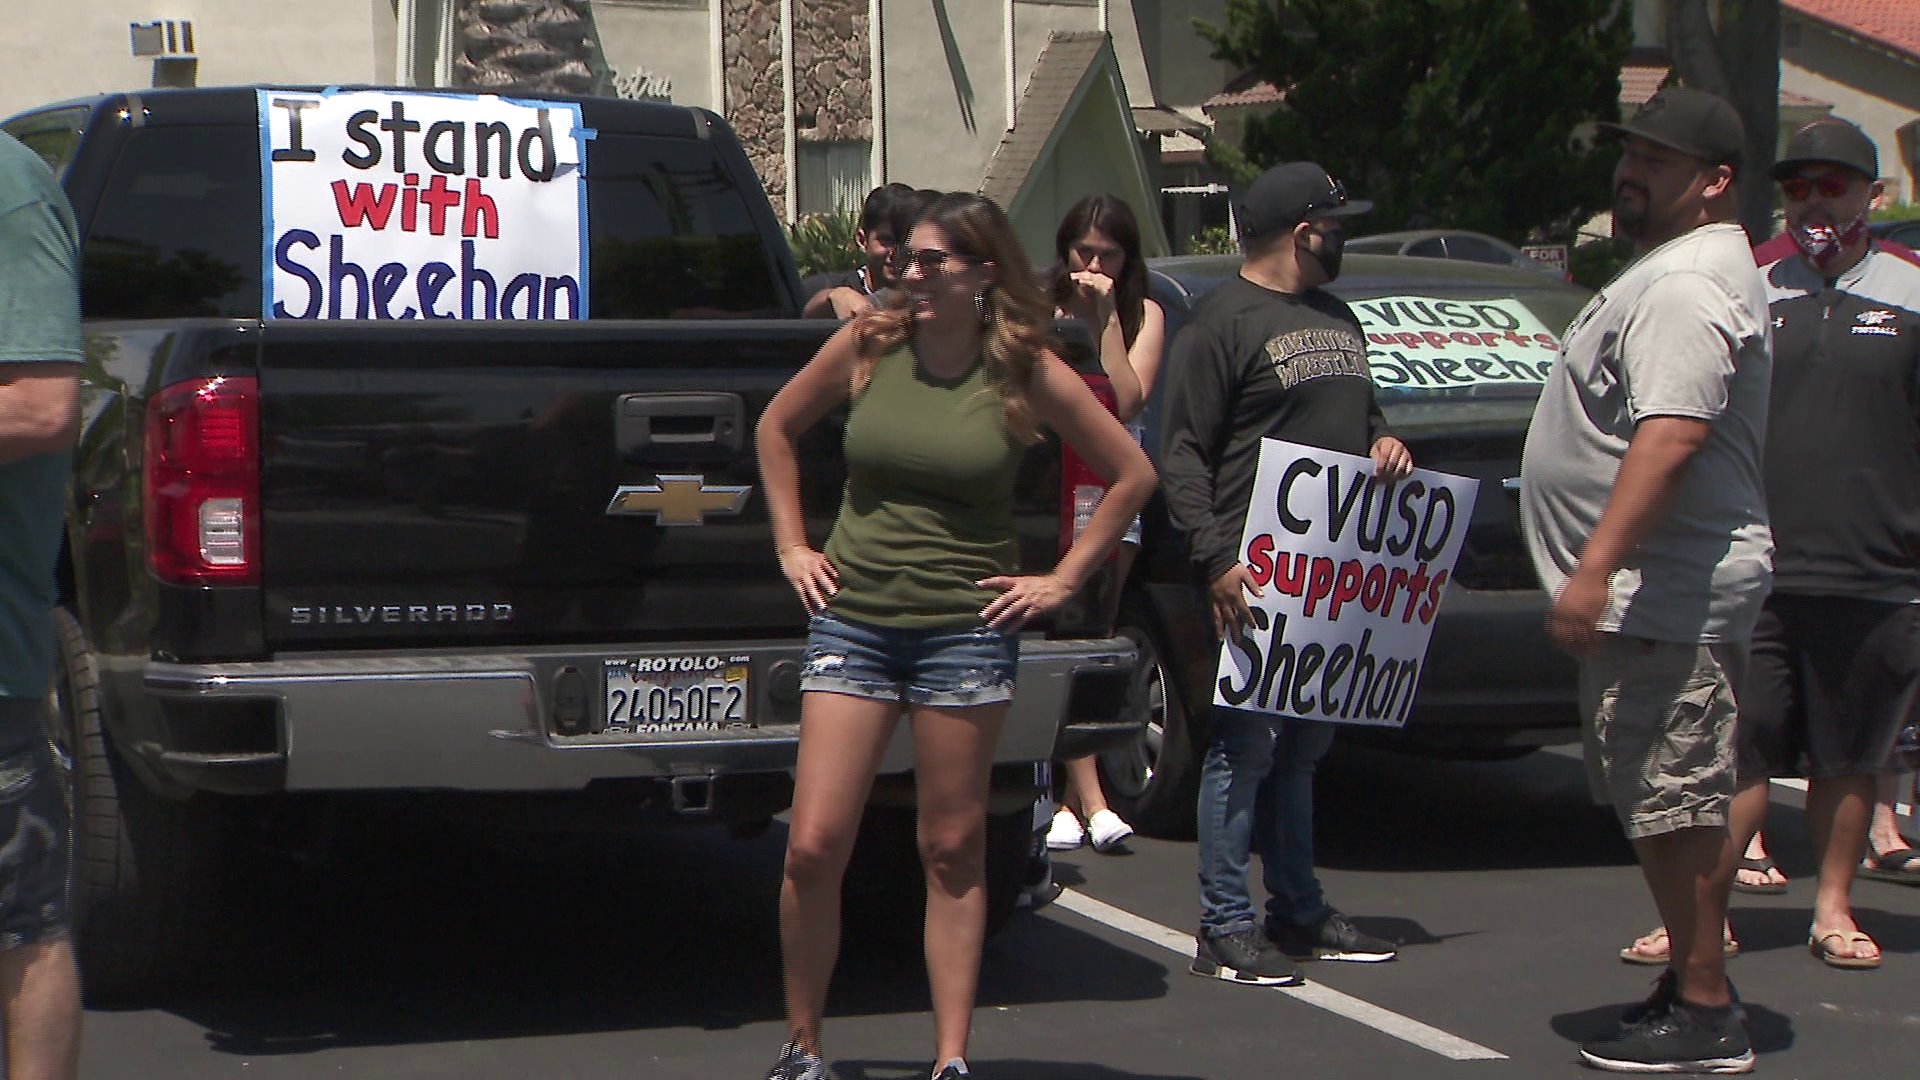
[{"x": 1630, "y": 220}]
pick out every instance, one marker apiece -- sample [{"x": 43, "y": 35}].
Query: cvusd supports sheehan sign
[
  {"x": 384, "y": 205},
  {"x": 1351, "y": 570}
]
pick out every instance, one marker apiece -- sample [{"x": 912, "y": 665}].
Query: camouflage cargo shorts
[
  {"x": 1659, "y": 731},
  {"x": 36, "y": 839}
]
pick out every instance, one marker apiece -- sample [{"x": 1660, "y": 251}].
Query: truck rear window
[{"x": 177, "y": 231}]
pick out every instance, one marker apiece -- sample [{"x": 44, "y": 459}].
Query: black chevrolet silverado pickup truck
[{"x": 337, "y": 537}]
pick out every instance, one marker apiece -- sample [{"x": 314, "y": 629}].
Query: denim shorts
[
  {"x": 945, "y": 666},
  {"x": 36, "y": 840}
]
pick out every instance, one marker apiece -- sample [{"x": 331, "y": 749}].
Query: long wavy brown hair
[
  {"x": 1019, "y": 317},
  {"x": 1115, "y": 218}
]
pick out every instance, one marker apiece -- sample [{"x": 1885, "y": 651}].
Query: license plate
[{"x": 677, "y": 693}]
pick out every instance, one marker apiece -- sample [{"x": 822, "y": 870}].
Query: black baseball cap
[
  {"x": 1830, "y": 140},
  {"x": 1290, "y": 193},
  {"x": 1691, "y": 121}
]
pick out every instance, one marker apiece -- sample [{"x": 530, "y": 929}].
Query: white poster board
[
  {"x": 1352, "y": 570},
  {"x": 395, "y": 205},
  {"x": 1425, "y": 342}
]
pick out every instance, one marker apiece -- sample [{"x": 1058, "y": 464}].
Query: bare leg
[
  {"x": 1757, "y": 852},
  {"x": 1884, "y": 832},
  {"x": 40, "y": 985},
  {"x": 1083, "y": 787},
  {"x": 1688, "y": 872},
  {"x": 953, "y": 750},
  {"x": 1838, "y": 811},
  {"x": 841, "y": 741},
  {"x": 1744, "y": 817}
]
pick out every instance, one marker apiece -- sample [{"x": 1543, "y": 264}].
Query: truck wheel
[
  {"x": 142, "y": 868},
  {"x": 1154, "y": 781},
  {"x": 885, "y": 890}
]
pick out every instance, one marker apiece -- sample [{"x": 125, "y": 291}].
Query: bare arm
[
  {"x": 813, "y": 392},
  {"x": 1149, "y": 347},
  {"x": 1642, "y": 494},
  {"x": 39, "y": 408}
]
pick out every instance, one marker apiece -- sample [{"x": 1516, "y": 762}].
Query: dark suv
[{"x": 1459, "y": 352}]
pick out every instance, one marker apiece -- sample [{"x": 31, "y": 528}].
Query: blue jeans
[{"x": 1256, "y": 794}]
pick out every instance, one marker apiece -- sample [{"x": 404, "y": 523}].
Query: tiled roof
[
  {"x": 1639, "y": 82},
  {"x": 1062, "y": 65},
  {"x": 1893, "y": 23},
  {"x": 1246, "y": 89}
]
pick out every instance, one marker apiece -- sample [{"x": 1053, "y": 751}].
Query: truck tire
[
  {"x": 143, "y": 872},
  {"x": 1154, "y": 781},
  {"x": 885, "y": 890}
]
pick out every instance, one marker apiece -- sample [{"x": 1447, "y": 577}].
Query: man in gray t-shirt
[{"x": 1642, "y": 504}]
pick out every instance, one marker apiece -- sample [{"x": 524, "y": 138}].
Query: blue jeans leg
[
  {"x": 1240, "y": 753},
  {"x": 1285, "y": 813}
]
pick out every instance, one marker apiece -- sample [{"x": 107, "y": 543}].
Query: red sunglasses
[{"x": 1829, "y": 185}]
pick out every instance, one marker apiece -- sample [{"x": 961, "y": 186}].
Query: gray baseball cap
[{"x": 1833, "y": 141}]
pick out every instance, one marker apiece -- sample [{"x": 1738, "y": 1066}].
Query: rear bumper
[{"x": 484, "y": 721}]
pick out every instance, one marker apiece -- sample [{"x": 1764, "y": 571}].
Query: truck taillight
[
  {"x": 203, "y": 482},
  {"x": 1080, "y": 487}
]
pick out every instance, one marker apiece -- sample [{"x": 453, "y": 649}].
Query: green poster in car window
[
  {"x": 1434, "y": 343},
  {"x": 386, "y": 204}
]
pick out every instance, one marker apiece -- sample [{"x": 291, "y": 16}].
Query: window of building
[{"x": 832, "y": 177}]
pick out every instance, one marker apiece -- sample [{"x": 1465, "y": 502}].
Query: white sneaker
[
  {"x": 1066, "y": 833},
  {"x": 1108, "y": 830}
]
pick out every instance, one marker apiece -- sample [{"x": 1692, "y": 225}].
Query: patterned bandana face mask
[{"x": 1822, "y": 244}]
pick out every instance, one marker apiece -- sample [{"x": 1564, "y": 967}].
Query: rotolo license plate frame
[{"x": 688, "y": 692}]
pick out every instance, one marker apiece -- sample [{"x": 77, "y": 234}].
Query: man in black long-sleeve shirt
[{"x": 1268, "y": 354}]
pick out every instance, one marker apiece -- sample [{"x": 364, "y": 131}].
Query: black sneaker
[
  {"x": 1680, "y": 1039},
  {"x": 797, "y": 1064},
  {"x": 1243, "y": 957},
  {"x": 1666, "y": 991},
  {"x": 1333, "y": 938}
]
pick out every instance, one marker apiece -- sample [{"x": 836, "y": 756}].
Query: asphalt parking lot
[{"x": 421, "y": 954}]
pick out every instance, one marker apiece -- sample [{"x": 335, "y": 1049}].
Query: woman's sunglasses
[
  {"x": 931, "y": 261},
  {"x": 1829, "y": 185}
]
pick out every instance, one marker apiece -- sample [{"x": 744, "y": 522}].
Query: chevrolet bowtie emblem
[{"x": 678, "y": 500}]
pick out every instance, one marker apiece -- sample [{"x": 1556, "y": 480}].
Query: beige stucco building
[
  {"x": 81, "y": 47},
  {"x": 830, "y": 96}
]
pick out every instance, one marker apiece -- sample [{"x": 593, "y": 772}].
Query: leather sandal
[
  {"x": 1729, "y": 948},
  {"x": 1817, "y": 942}
]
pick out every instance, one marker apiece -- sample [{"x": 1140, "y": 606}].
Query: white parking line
[{"x": 1382, "y": 1020}]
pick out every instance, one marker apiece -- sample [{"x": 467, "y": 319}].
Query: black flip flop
[
  {"x": 1901, "y": 865},
  {"x": 1762, "y": 866}
]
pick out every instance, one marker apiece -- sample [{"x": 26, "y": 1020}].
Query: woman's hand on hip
[
  {"x": 1022, "y": 599},
  {"x": 811, "y": 576}
]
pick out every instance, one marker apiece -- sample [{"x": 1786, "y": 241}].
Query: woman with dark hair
[
  {"x": 1101, "y": 280},
  {"x": 916, "y": 600}
]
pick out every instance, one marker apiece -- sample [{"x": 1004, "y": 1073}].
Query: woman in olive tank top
[{"x": 917, "y": 599}]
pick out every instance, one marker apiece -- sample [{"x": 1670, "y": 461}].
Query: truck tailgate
[{"x": 526, "y": 484}]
